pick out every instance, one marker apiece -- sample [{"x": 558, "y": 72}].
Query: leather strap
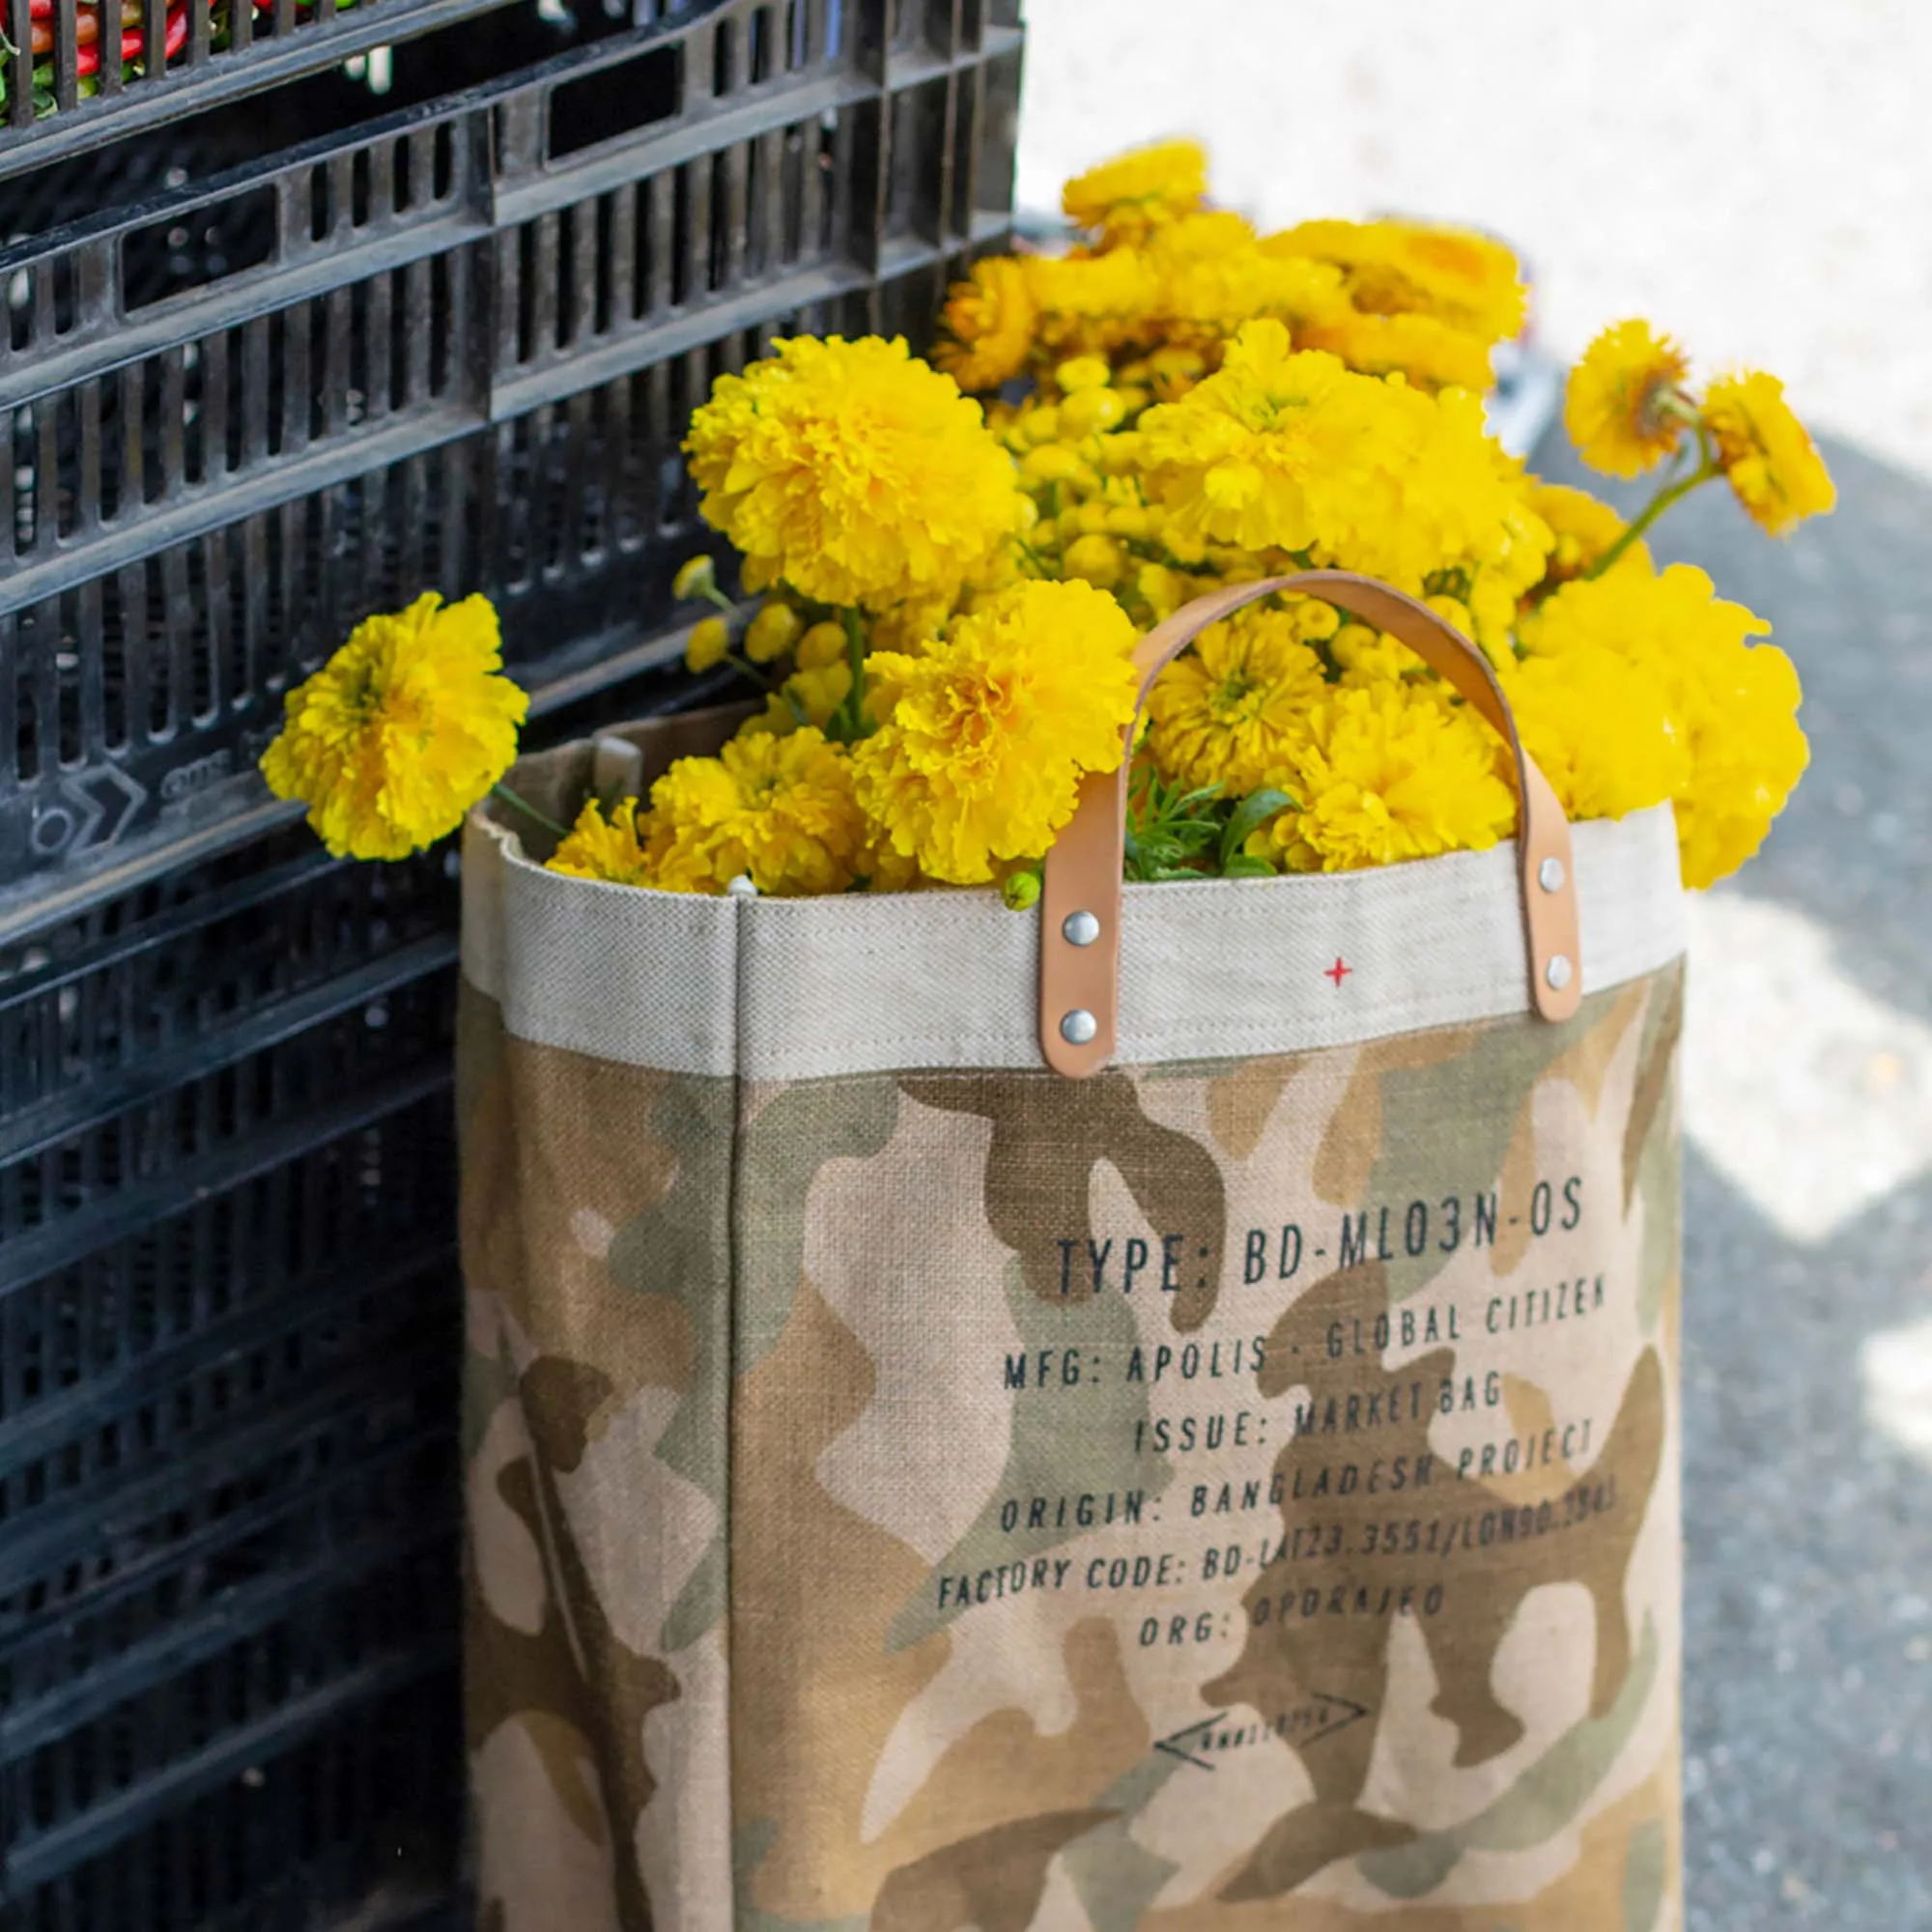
[{"x": 1082, "y": 873}]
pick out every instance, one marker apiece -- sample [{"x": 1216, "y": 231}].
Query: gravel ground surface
[{"x": 1756, "y": 177}]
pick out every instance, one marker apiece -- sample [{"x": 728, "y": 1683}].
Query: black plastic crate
[
  {"x": 229, "y": 1346},
  {"x": 264, "y": 368},
  {"x": 229, "y": 1326},
  {"x": 452, "y": 343}
]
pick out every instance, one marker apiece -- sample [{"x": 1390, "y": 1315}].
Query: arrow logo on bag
[{"x": 1321, "y": 1717}]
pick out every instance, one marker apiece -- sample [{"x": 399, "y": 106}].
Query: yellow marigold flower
[
  {"x": 986, "y": 327},
  {"x": 1771, "y": 463},
  {"x": 1602, "y": 727},
  {"x": 983, "y": 739},
  {"x": 1367, "y": 656},
  {"x": 401, "y": 731},
  {"x": 1092, "y": 303},
  {"x": 1134, "y": 193},
  {"x": 697, "y": 577},
  {"x": 1468, "y": 281},
  {"x": 1584, "y": 529},
  {"x": 780, "y": 808},
  {"x": 1384, "y": 775},
  {"x": 1230, "y": 711},
  {"x": 1734, "y": 703},
  {"x": 1099, "y": 559},
  {"x": 1624, "y": 406},
  {"x": 709, "y": 641},
  {"x": 851, "y": 471},
  {"x": 886, "y": 871},
  {"x": 601, "y": 847},
  {"x": 1291, "y": 450},
  {"x": 1212, "y": 276},
  {"x": 1431, "y": 354},
  {"x": 1748, "y": 750},
  {"x": 824, "y": 644},
  {"x": 818, "y": 693}
]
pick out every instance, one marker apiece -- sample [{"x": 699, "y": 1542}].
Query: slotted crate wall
[
  {"x": 451, "y": 346},
  {"x": 267, "y": 365}
]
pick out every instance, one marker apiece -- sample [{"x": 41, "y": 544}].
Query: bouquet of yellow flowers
[{"x": 949, "y": 592}]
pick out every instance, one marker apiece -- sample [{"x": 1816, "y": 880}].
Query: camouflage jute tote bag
[{"x": 1157, "y": 1412}]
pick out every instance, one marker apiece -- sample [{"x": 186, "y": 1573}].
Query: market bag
[{"x": 1225, "y": 1478}]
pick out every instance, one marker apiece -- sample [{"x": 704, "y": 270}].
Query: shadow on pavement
[{"x": 1808, "y": 1691}]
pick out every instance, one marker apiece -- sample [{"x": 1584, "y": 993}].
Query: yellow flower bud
[
  {"x": 1133, "y": 398},
  {"x": 1454, "y": 612},
  {"x": 1119, "y": 454},
  {"x": 697, "y": 577},
  {"x": 1093, "y": 411},
  {"x": 710, "y": 639},
  {"x": 1021, "y": 888},
  {"x": 821, "y": 646},
  {"x": 1165, "y": 590},
  {"x": 1041, "y": 425},
  {"x": 1051, "y": 463},
  {"x": 775, "y": 721},
  {"x": 1027, "y": 515},
  {"x": 1134, "y": 522},
  {"x": 1083, "y": 372},
  {"x": 1068, "y": 524},
  {"x": 1087, "y": 412},
  {"x": 1099, "y": 559},
  {"x": 770, "y": 634},
  {"x": 818, "y": 693},
  {"x": 1174, "y": 371},
  {"x": 1314, "y": 619}
]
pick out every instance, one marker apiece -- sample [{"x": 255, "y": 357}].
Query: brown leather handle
[{"x": 1080, "y": 901}]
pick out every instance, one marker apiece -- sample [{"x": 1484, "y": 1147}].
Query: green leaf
[
  {"x": 1246, "y": 865},
  {"x": 1250, "y": 815}
]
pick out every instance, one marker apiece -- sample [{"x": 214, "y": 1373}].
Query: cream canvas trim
[{"x": 777, "y": 989}]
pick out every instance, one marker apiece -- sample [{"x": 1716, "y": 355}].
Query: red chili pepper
[{"x": 87, "y": 58}]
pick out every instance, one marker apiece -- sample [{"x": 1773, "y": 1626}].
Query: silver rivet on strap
[
  {"x": 1558, "y": 971},
  {"x": 1549, "y": 875},
  {"x": 1081, "y": 928},
  {"x": 1078, "y": 1027}
]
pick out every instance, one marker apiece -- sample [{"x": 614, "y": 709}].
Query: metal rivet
[
  {"x": 1081, "y": 928},
  {"x": 1549, "y": 875},
  {"x": 1558, "y": 971},
  {"x": 1078, "y": 1028}
]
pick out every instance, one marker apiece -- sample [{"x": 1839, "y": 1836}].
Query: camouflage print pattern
[{"x": 1228, "y": 1495}]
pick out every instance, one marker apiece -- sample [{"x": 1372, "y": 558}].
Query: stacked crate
[{"x": 331, "y": 308}]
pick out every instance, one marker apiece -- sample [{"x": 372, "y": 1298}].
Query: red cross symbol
[{"x": 1338, "y": 972}]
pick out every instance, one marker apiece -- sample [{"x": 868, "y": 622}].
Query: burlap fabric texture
[{"x": 910, "y": 1489}]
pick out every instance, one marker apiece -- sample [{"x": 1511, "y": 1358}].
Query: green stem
[
  {"x": 524, "y": 804},
  {"x": 855, "y": 657},
  {"x": 1672, "y": 493},
  {"x": 747, "y": 669},
  {"x": 719, "y": 598}
]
